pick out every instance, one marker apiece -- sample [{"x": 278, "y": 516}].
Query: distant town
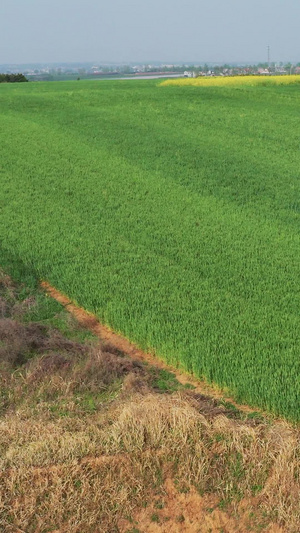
[{"x": 71, "y": 71}]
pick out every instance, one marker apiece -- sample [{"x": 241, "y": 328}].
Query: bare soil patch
[{"x": 177, "y": 512}]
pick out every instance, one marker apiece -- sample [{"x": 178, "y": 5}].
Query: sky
[{"x": 123, "y": 31}]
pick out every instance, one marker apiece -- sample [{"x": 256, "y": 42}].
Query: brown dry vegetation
[{"x": 93, "y": 441}]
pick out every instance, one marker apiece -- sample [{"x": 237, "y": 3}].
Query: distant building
[{"x": 263, "y": 71}]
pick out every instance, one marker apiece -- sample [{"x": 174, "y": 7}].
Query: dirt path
[{"x": 89, "y": 321}]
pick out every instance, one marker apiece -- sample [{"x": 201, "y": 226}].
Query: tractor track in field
[{"x": 91, "y": 322}]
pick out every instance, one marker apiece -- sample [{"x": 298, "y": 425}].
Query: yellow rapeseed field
[{"x": 234, "y": 81}]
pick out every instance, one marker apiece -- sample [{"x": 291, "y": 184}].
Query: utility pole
[{"x": 268, "y": 49}]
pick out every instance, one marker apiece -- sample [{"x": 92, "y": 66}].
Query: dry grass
[
  {"x": 77, "y": 473},
  {"x": 85, "y": 441}
]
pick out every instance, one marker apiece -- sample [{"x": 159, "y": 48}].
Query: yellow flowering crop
[{"x": 234, "y": 81}]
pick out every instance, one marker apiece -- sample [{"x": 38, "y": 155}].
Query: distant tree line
[{"x": 12, "y": 78}]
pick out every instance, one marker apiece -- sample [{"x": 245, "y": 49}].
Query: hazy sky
[{"x": 148, "y": 30}]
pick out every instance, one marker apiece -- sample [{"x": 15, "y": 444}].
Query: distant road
[{"x": 152, "y": 77}]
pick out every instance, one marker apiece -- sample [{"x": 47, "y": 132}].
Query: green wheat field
[{"x": 172, "y": 213}]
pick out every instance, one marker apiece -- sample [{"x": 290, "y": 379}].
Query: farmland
[
  {"x": 172, "y": 213},
  {"x": 235, "y": 81}
]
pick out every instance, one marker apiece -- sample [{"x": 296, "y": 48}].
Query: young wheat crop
[{"x": 172, "y": 215}]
